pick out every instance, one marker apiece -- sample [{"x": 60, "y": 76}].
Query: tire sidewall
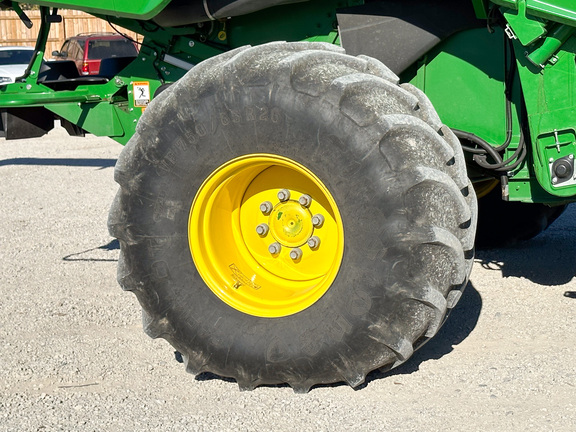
[{"x": 274, "y": 120}]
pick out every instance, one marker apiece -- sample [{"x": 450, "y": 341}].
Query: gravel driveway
[{"x": 73, "y": 356}]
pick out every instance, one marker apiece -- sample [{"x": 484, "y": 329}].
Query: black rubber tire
[
  {"x": 507, "y": 223},
  {"x": 396, "y": 173}
]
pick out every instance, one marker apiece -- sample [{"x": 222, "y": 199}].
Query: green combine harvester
[{"x": 302, "y": 180}]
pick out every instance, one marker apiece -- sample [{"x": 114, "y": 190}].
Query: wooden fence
[{"x": 14, "y": 32}]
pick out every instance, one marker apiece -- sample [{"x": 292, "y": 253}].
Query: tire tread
[{"x": 356, "y": 89}]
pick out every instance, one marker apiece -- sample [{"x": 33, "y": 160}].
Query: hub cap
[{"x": 291, "y": 224}]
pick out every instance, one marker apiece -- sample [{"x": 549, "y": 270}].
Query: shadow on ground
[
  {"x": 548, "y": 259},
  {"x": 95, "y": 163},
  {"x": 100, "y": 253},
  {"x": 459, "y": 325},
  {"x": 540, "y": 262}
]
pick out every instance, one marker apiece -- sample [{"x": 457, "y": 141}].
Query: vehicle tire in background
[{"x": 506, "y": 223}]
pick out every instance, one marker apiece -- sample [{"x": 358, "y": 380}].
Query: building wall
[{"x": 14, "y": 32}]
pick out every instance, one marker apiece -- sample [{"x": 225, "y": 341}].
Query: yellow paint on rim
[
  {"x": 291, "y": 224},
  {"x": 484, "y": 187},
  {"x": 234, "y": 260}
]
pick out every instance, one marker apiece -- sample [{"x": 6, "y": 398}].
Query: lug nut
[
  {"x": 275, "y": 248},
  {"x": 313, "y": 242},
  {"x": 266, "y": 207},
  {"x": 317, "y": 220},
  {"x": 284, "y": 195},
  {"x": 305, "y": 200},
  {"x": 262, "y": 229},
  {"x": 296, "y": 254}
]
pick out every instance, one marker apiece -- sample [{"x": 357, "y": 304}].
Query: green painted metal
[
  {"x": 562, "y": 11},
  {"x": 470, "y": 65},
  {"x": 100, "y": 109},
  {"x": 287, "y": 23},
  {"x": 545, "y": 52},
  {"x": 464, "y": 76},
  {"x": 527, "y": 28},
  {"x": 481, "y": 8},
  {"x": 467, "y": 67},
  {"x": 138, "y": 9},
  {"x": 550, "y": 46},
  {"x": 550, "y": 96},
  {"x": 165, "y": 56}
]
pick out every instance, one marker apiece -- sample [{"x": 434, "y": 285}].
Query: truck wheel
[
  {"x": 502, "y": 223},
  {"x": 290, "y": 214}
]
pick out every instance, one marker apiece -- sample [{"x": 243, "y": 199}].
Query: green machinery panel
[
  {"x": 139, "y": 9},
  {"x": 563, "y": 11},
  {"x": 464, "y": 76}
]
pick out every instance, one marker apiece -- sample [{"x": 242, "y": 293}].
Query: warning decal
[
  {"x": 141, "y": 92},
  {"x": 241, "y": 278}
]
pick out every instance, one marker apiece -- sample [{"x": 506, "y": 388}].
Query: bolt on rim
[{"x": 266, "y": 235}]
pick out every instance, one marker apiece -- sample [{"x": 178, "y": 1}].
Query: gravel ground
[{"x": 73, "y": 356}]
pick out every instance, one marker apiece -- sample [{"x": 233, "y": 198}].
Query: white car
[{"x": 13, "y": 62}]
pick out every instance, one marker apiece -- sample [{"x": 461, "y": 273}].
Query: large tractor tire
[
  {"x": 504, "y": 224},
  {"x": 290, "y": 214}
]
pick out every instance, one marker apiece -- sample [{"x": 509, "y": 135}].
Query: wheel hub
[
  {"x": 266, "y": 235},
  {"x": 291, "y": 224}
]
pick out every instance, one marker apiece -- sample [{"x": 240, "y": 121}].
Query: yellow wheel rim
[
  {"x": 266, "y": 235},
  {"x": 484, "y": 187}
]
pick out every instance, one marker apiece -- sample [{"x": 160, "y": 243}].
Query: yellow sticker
[{"x": 141, "y": 92}]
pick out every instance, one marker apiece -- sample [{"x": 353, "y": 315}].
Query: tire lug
[
  {"x": 305, "y": 200},
  {"x": 314, "y": 242},
  {"x": 275, "y": 248},
  {"x": 318, "y": 220},
  {"x": 266, "y": 207},
  {"x": 296, "y": 254},
  {"x": 284, "y": 195},
  {"x": 262, "y": 229}
]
